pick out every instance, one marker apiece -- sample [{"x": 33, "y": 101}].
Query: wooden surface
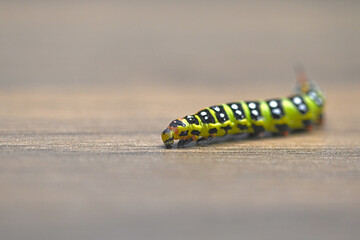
[
  {"x": 87, "y": 88},
  {"x": 92, "y": 165}
]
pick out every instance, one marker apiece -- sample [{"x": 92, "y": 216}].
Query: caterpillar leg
[
  {"x": 283, "y": 129},
  {"x": 183, "y": 142},
  {"x": 258, "y": 131},
  {"x": 256, "y": 135},
  {"x": 207, "y": 139},
  {"x": 308, "y": 125}
]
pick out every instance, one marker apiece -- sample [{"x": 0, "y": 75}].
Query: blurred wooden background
[{"x": 87, "y": 87}]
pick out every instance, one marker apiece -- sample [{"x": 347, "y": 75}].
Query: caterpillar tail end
[{"x": 167, "y": 137}]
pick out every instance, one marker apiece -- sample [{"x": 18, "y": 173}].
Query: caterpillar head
[
  {"x": 174, "y": 131},
  {"x": 168, "y": 137}
]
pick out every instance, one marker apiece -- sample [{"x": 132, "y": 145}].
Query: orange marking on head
[{"x": 174, "y": 129}]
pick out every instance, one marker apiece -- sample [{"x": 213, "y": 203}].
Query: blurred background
[
  {"x": 92, "y": 43},
  {"x": 86, "y": 87}
]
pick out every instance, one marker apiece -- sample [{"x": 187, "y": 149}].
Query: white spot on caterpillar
[
  {"x": 234, "y": 106},
  {"x": 276, "y": 111},
  {"x": 238, "y": 112},
  {"x": 252, "y": 105},
  {"x": 217, "y": 109},
  {"x": 297, "y": 100},
  {"x": 222, "y": 115},
  {"x": 312, "y": 94},
  {"x": 203, "y": 113},
  {"x": 302, "y": 107},
  {"x": 255, "y": 112},
  {"x": 273, "y": 104},
  {"x": 319, "y": 101}
]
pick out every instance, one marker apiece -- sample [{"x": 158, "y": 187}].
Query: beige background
[{"x": 87, "y": 87}]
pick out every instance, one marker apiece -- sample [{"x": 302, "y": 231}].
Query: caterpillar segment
[{"x": 279, "y": 116}]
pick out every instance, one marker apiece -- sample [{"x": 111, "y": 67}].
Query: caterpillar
[{"x": 300, "y": 111}]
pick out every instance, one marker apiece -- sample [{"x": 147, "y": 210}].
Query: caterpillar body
[{"x": 299, "y": 111}]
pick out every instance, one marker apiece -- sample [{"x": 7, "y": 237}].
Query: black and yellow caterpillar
[{"x": 299, "y": 111}]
